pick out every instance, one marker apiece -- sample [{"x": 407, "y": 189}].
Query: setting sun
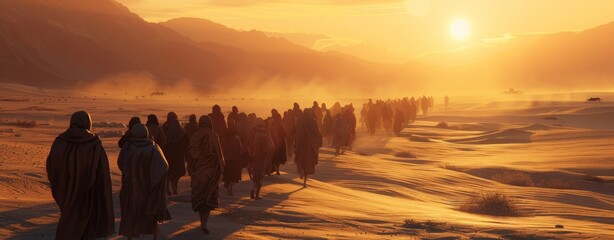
[{"x": 459, "y": 29}]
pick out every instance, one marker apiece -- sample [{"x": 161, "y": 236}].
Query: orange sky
[{"x": 401, "y": 28}]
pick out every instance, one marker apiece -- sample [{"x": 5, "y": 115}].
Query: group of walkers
[
  {"x": 392, "y": 115},
  {"x": 155, "y": 156}
]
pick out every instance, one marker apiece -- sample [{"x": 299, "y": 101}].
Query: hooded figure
[
  {"x": 174, "y": 150},
  {"x": 191, "y": 126},
  {"x": 399, "y": 119},
  {"x": 219, "y": 122},
  {"x": 156, "y": 133},
  {"x": 143, "y": 194},
  {"x": 261, "y": 157},
  {"x": 308, "y": 141},
  {"x": 133, "y": 121},
  {"x": 233, "y": 156},
  {"x": 317, "y": 112},
  {"x": 278, "y": 134},
  {"x": 80, "y": 182},
  {"x": 289, "y": 124},
  {"x": 234, "y": 115},
  {"x": 341, "y": 133},
  {"x": 327, "y": 126},
  {"x": 206, "y": 163}
]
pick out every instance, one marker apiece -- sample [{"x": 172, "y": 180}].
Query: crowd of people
[
  {"x": 392, "y": 115},
  {"x": 155, "y": 156}
]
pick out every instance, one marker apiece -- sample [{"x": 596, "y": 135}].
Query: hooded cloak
[
  {"x": 156, "y": 133},
  {"x": 206, "y": 163},
  {"x": 233, "y": 153},
  {"x": 263, "y": 150},
  {"x": 278, "y": 135},
  {"x": 80, "y": 181},
  {"x": 143, "y": 194},
  {"x": 308, "y": 141},
  {"x": 174, "y": 150},
  {"x": 218, "y": 120},
  {"x": 133, "y": 121}
]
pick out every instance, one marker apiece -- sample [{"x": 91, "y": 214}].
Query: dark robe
[
  {"x": 174, "y": 149},
  {"x": 308, "y": 141},
  {"x": 206, "y": 164},
  {"x": 278, "y": 134},
  {"x": 156, "y": 134},
  {"x": 327, "y": 125},
  {"x": 262, "y": 153},
  {"x": 289, "y": 126},
  {"x": 133, "y": 121},
  {"x": 219, "y": 123},
  {"x": 341, "y": 131},
  {"x": 233, "y": 154},
  {"x": 351, "y": 119},
  {"x": 80, "y": 181},
  {"x": 143, "y": 194},
  {"x": 399, "y": 119}
]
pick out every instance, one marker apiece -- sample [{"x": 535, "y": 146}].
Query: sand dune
[{"x": 367, "y": 193}]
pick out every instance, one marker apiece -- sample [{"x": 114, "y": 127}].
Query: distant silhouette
[
  {"x": 387, "y": 117},
  {"x": 327, "y": 127},
  {"x": 399, "y": 119},
  {"x": 156, "y": 133},
  {"x": 341, "y": 133},
  {"x": 233, "y": 153},
  {"x": 143, "y": 193},
  {"x": 174, "y": 150},
  {"x": 262, "y": 154},
  {"x": 127, "y": 135},
  {"x": 308, "y": 142},
  {"x": 219, "y": 122},
  {"x": 446, "y": 101},
  {"x": 289, "y": 126},
  {"x": 80, "y": 182},
  {"x": 371, "y": 120},
  {"x": 351, "y": 119},
  {"x": 190, "y": 127},
  {"x": 207, "y": 163},
  {"x": 278, "y": 134},
  {"x": 234, "y": 115},
  {"x": 317, "y": 112}
]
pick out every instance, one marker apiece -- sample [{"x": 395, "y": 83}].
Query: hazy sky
[{"x": 410, "y": 27}]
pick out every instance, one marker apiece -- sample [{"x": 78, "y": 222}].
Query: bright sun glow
[{"x": 459, "y": 29}]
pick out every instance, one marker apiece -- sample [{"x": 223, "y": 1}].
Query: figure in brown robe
[
  {"x": 133, "y": 121},
  {"x": 234, "y": 115},
  {"x": 207, "y": 165},
  {"x": 350, "y": 117},
  {"x": 174, "y": 150},
  {"x": 233, "y": 154},
  {"x": 156, "y": 133},
  {"x": 308, "y": 141},
  {"x": 399, "y": 119},
  {"x": 191, "y": 126},
  {"x": 317, "y": 112},
  {"x": 80, "y": 182},
  {"x": 278, "y": 134},
  {"x": 289, "y": 124},
  {"x": 327, "y": 127},
  {"x": 261, "y": 157},
  {"x": 219, "y": 121},
  {"x": 143, "y": 194},
  {"x": 341, "y": 133}
]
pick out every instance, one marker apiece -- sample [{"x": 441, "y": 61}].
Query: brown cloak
[
  {"x": 174, "y": 150},
  {"x": 79, "y": 176},
  {"x": 308, "y": 141},
  {"x": 206, "y": 163},
  {"x": 233, "y": 154},
  {"x": 341, "y": 131},
  {"x": 143, "y": 194},
  {"x": 278, "y": 135},
  {"x": 262, "y": 151}
]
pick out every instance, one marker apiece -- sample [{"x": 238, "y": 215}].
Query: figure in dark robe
[
  {"x": 399, "y": 119},
  {"x": 174, "y": 151},
  {"x": 335, "y": 109},
  {"x": 387, "y": 115},
  {"x": 351, "y": 119},
  {"x": 233, "y": 154},
  {"x": 191, "y": 126},
  {"x": 207, "y": 165},
  {"x": 219, "y": 122},
  {"x": 372, "y": 120},
  {"x": 289, "y": 124},
  {"x": 446, "y": 101},
  {"x": 317, "y": 112},
  {"x": 297, "y": 111},
  {"x": 308, "y": 141},
  {"x": 243, "y": 127},
  {"x": 278, "y": 134},
  {"x": 133, "y": 121},
  {"x": 424, "y": 104},
  {"x": 327, "y": 128},
  {"x": 262, "y": 153},
  {"x": 234, "y": 115},
  {"x": 80, "y": 182},
  {"x": 341, "y": 134},
  {"x": 156, "y": 133},
  {"x": 143, "y": 194}
]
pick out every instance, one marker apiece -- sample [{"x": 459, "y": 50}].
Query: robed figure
[
  {"x": 143, "y": 194},
  {"x": 80, "y": 181},
  {"x": 308, "y": 141},
  {"x": 206, "y": 163}
]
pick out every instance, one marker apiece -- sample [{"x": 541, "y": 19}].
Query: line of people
[
  {"x": 392, "y": 115},
  {"x": 154, "y": 157}
]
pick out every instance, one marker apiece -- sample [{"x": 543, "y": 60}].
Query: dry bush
[
  {"x": 493, "y": 204},
  {"x": 21, "y": 124},
  {"x": 405, "y": 154},
  {"x": 514, "y": 178},
  {"x": 442, "y": 125},
  {"x": 556, "y": 184},
  {"x": 592, "y": 178}
]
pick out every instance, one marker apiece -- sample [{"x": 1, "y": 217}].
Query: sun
[{"x": 460, "y": 29}]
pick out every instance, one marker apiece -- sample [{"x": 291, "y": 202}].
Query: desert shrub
[
  {"x": 442, "y": 125},
  {"x": 592, "y": 178},
  {"x": 404, "y": 154},
  {"x": 556, "y": 184},
  {"x": 514, "y": 178},
  {"x": 493, "y": 204}
]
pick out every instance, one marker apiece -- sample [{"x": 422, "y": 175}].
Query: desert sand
[{"x": 563, "y": 144}]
